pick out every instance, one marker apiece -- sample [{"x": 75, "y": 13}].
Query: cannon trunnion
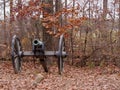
[{"x": 38, "y": 51}]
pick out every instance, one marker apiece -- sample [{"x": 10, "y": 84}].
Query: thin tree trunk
[
  {"x": 11, "y": 20},
  {"x": 20, "y": 20},
  {"x": 5, "y": 38},
  {"x": 119, "y": 26},
  {"x": 11, "y": 12},
  {"x": 103, "y": 28},
  {"x": 85, "y": 42},
  {"x": 65, "y": 14},
  {"x": 119, "y": 15},
  {"x": 105, "y": 2},
  {"x": 111, "y": 32},
  {"x": 91, "y": 34},
  {"x": 117, "y": 61},
  {"x": 71, "y": 35}
]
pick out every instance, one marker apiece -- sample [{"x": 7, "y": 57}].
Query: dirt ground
[{"x": 73, "y": 78}]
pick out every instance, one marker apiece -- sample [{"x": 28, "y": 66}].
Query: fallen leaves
[{"x": 73, "y": 78}]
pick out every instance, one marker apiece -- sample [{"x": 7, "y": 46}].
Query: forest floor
[{"x": 73, "y": 78}]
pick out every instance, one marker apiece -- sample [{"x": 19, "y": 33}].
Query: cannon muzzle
[
  {"x": 37, "y": 42},
  {"x": 38, "y": 46}
]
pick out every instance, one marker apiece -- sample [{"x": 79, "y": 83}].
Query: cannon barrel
[
  {"x": 38, "y": 46},
  {"x": 37, "y": 42}
]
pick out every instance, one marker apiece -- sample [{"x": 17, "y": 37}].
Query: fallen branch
[{"x": 3, "y": 45}]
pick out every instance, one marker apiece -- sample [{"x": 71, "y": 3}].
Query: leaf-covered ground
[{"x": 73, "y": 78}]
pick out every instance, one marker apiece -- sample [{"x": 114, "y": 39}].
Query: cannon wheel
[
  {"x": 16, "y": 58},
  {"x": 61, "y": 49}
]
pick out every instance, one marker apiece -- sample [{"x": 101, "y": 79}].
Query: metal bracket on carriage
[{"x": 58, "y": 54}]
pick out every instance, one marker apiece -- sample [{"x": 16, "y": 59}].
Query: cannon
[
  {"x": 38, "y": 51},
  {"x": 38, "y": 47}
]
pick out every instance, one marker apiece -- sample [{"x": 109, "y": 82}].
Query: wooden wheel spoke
[
  {"x": 15, "y": 51},
  {"x": 15, "y": 56}
]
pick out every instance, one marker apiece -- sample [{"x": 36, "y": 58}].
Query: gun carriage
[{"x": 38, "y": 51}]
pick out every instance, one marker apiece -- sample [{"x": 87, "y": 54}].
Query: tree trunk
[
  {"x": 111, "y": 32},
  {"x": 117, "y": 61},
  {"x": 66, "y": 14},
  {"x": 57, "y": 10},
  {"x": 46, "y": 37},
  {"x": 11, "y": 20},
  {"x": 71, "y": 36},
  {"x": 104, "y": 33},
  {"x": 5, "y": 38},
  {"x": 20, "y": 20},
  {"x": 11, "y": 12},
  {"x": 105, "y": 2},
  {"x": 119, "y": 15}
]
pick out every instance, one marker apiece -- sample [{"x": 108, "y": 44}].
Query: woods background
[{"x": 91, "y": 27}]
